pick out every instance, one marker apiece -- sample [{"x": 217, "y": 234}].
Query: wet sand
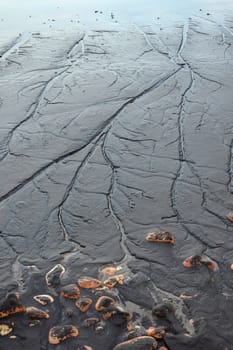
[{"x": 107, "y": 134}]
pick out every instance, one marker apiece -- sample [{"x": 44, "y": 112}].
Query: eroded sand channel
[{"x": 106, "y": 135}]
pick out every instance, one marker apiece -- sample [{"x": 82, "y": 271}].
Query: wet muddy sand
[{"x": 116, "y": 148}]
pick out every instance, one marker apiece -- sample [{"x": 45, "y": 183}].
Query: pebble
[
  {"x": 58, "y": 334},
  {"x": 230, "y": 216},
  {"x": 103, "y": 303},
  {"x": 160, "y": 237},
  {"x": 33, "y": 312},
  {"x": 43, "y": 299},
  {"x": 5, "y": 329},
  {"x": 53, "y": 276},
  {"x": 139, "y": 343},
  {"x": 114, "y": 281},
  {"x": 88, "y": 282},
  {"x": 84, "y": 304},
  {"x": 71, "y": 291}
]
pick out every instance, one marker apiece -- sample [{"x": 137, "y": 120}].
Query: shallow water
[{"x": 59, "y": 14}]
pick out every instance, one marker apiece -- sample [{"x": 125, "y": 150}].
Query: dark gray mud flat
[{"x": 105, "y": 136}]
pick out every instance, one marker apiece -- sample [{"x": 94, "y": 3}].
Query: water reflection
[{"x": 58, "y": 14}]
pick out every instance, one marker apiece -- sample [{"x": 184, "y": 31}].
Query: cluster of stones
[
  {"x": 191, "y": 261},
  {"x": 106, "y": 306},
  {"x": 146, "y": 339}
]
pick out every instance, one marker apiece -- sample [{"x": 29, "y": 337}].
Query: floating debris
[
  {"x": 114, "y": 281},
  {"x": 5, "y": 329},
  {"x": 53, "y": 276},
  {"x": 88, "y": 282},
  {"x": 84, "y": 304},
  {"x": 58, "y": 334},
  {"x": 85, "y": 347},
  {"x": 33, "y": 312},
  {"x": 139, "y": 343},
  {"x": 230, "y": 216},
  {"x": 199, "y": 260},
  {"x": 43, "y": 299},
  {"x": 161, "y": 237},
  {"x": 11, "y": 306},
  {"x": 103, "y": 303},
  {"x": 71, "y": 291}
]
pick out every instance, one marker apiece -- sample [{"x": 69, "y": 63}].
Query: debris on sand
[{"x": 161, "y": 237}]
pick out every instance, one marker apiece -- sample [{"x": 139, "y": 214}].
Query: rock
[
  {"x": 114, "y": 281},
  {"x": 83, "y": 304},
  {"x": 88, "y": 282},
  {"x": 33, "y": 312},
  {"x": 43, "y": 299},
  {"x": 199, "y": 260},
  {"x": 117, "y": 314},
  {"x": 103, "y": 303},
  {"x": 58, "y": 334},
  {"x": 156, "y": 332},
  {"x": 139, "y": 343},
  {"x": 11, "y": 306},
  {"x": 5, "y": 329},
  {"x": 108, "y": 270},
  {"x": 230, "y": 216},
  {"x": 160, "y": 237},
  {"x": 53, "y": 276},
  {"x": 71, "y": 291}
]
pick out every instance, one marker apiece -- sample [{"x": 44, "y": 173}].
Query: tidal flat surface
[{"x": 109, "y": 131}]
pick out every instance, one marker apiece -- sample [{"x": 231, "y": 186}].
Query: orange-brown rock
[
  {"x": 58, "y": 334},
  {"x": 156, "y": 332},
  {"x": 71, "y": 291},
  {"x": 33, "y": 312},
  {"x": 114, "y": 281},
  {"x": 160, "y": 237},
  {"x": 199, "y": 260},
  {"x": 88, "y": 282},
  {"x": 11, "y": 306},
  {"x": 109, "y": 270},
  {"x": 230, "y": 216},
  {"x": 83, "y": 304},
  {"x": 103, "y": 303}
]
